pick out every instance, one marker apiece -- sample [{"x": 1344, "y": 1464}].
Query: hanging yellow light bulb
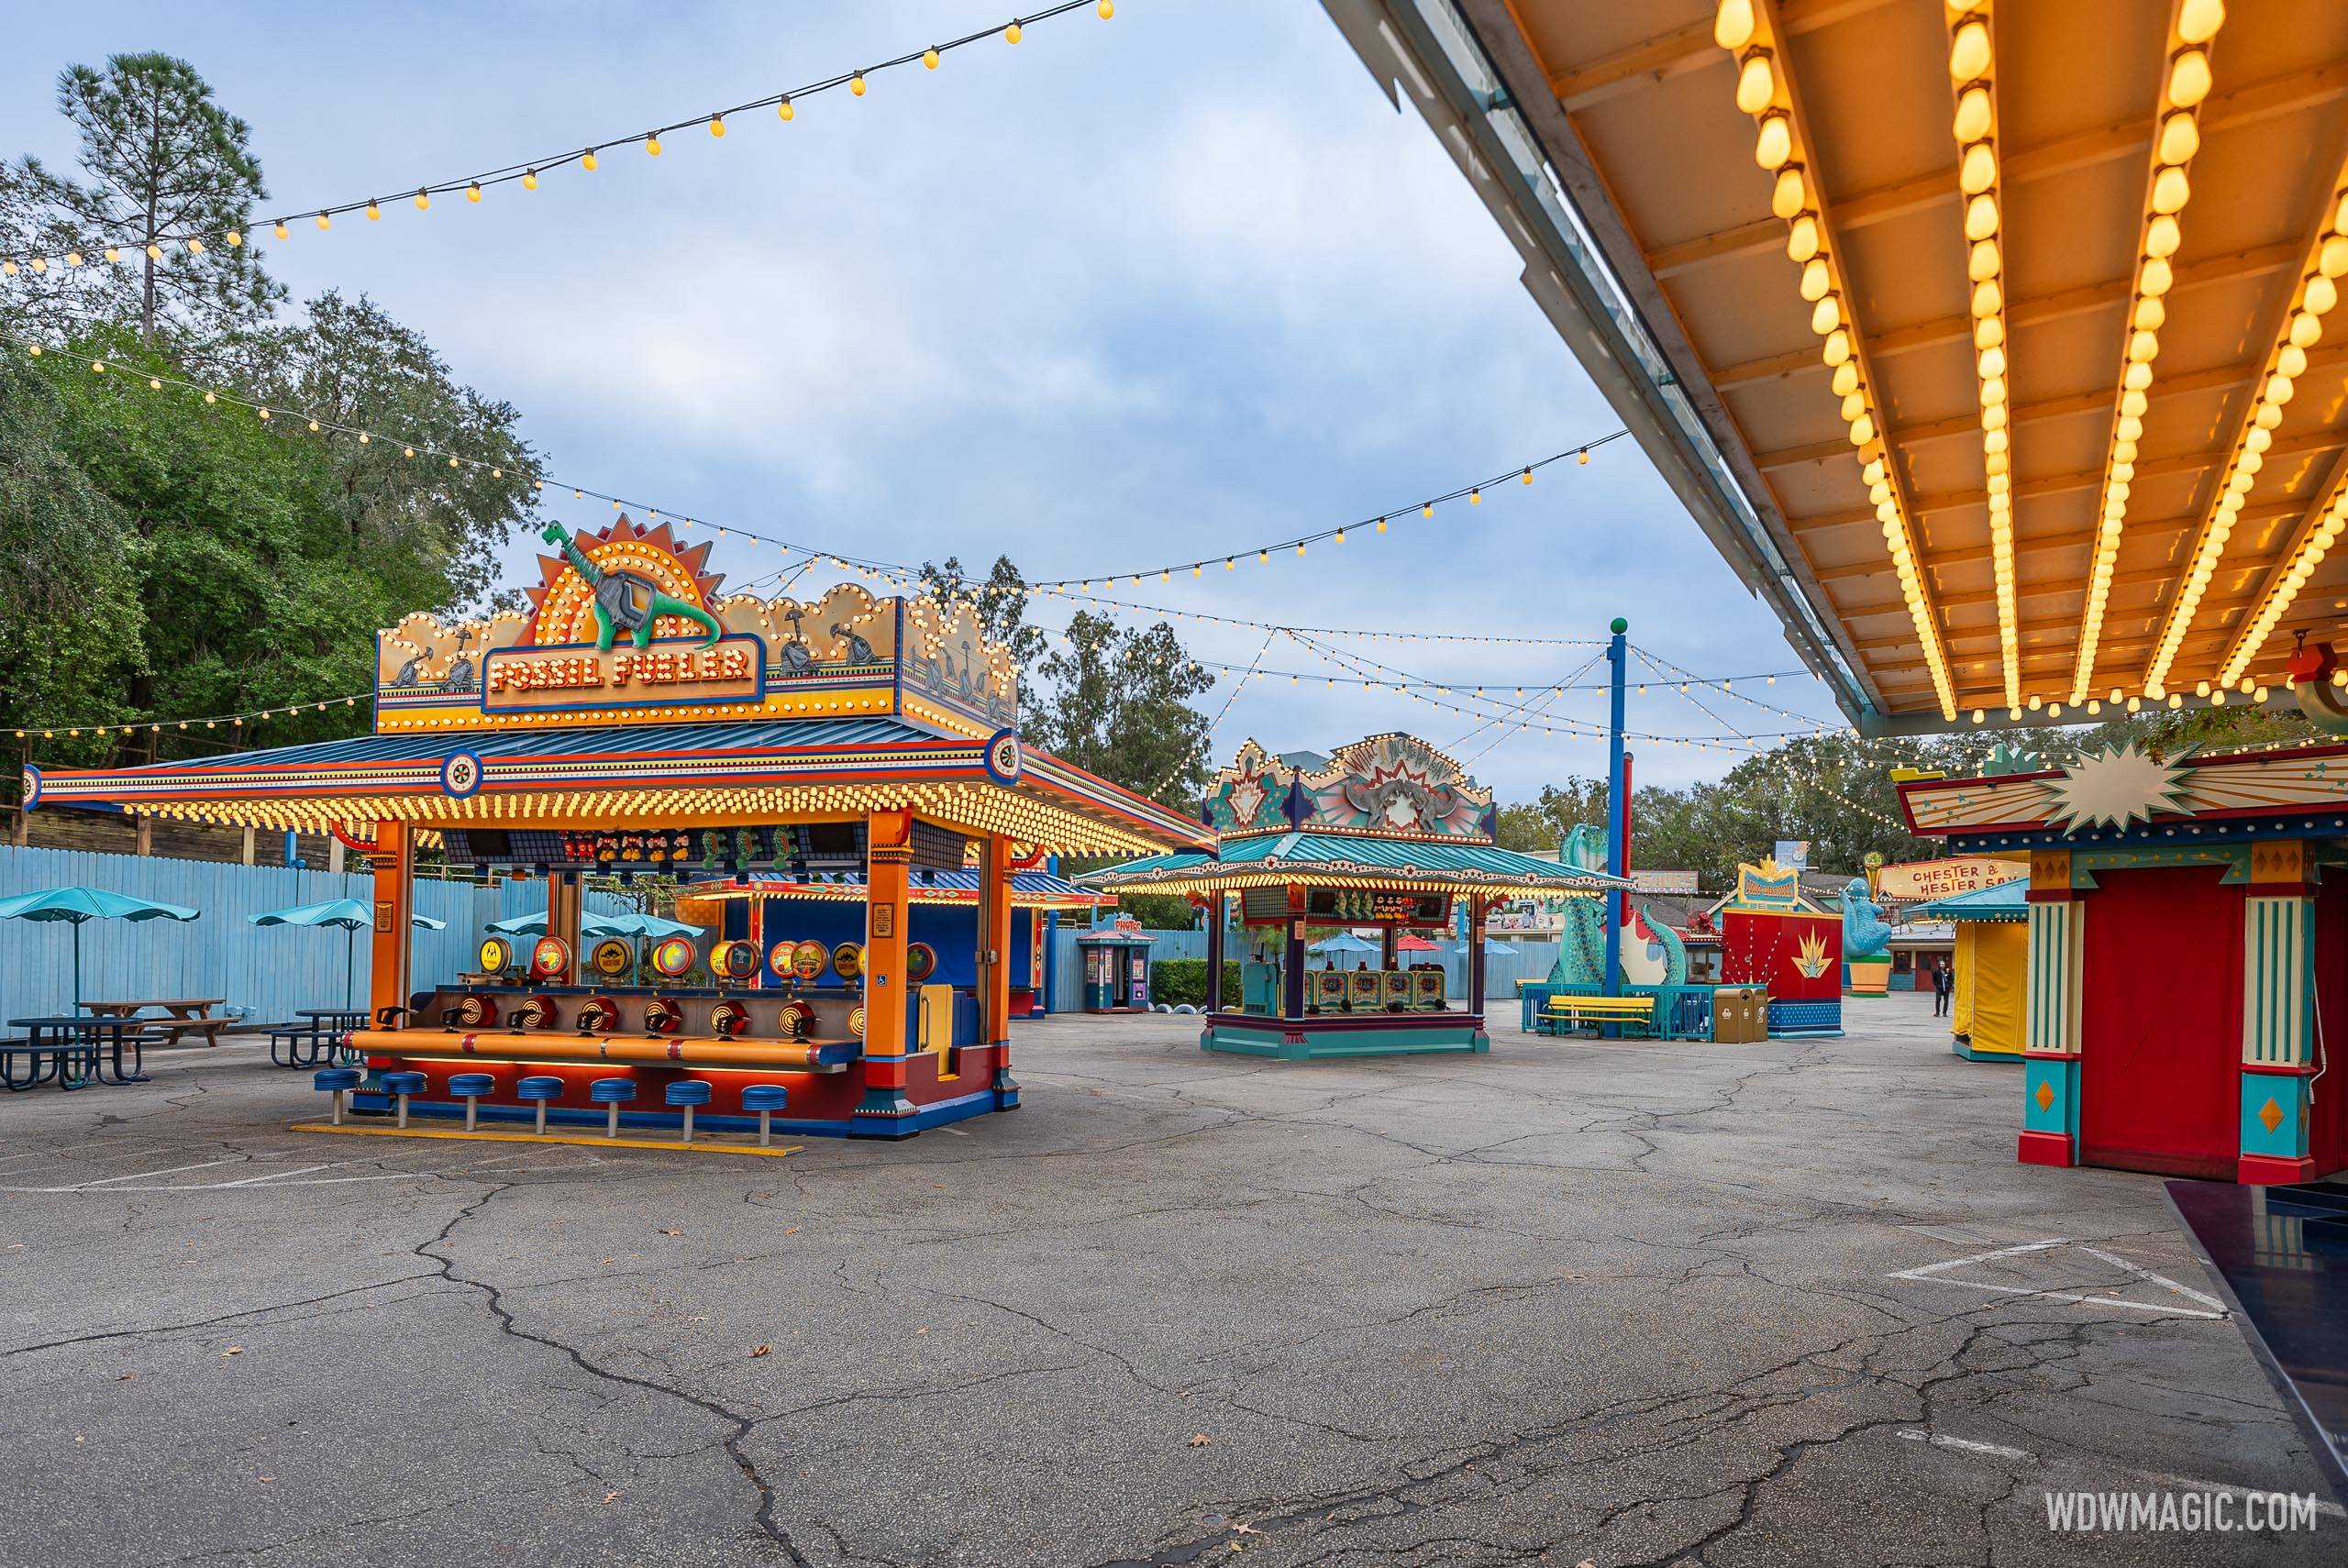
[
  {"x": 856, "y": 83},
  {"x": 1012, "y": 34},
  {"x": 929, "y": 57},
  {"x": 716, "y": 125},
  {"x": 783, "y": 109},
  {"x": 587, "y": 159},
  {"x": 652, "y": 144}
]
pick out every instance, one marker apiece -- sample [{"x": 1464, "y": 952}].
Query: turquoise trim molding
[{"x": 1270, "y": 1041}]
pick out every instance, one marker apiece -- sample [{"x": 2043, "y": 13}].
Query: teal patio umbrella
[
  {"x": 590, "y": 925},
  {"x": 1343, "y": 941},
  {"x": 350, "y": 914},
  {"x": 76, "y": 905}
]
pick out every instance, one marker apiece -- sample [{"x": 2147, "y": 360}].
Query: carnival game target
[
  {"x": 809, "y": 959},
  {"x": 549, "y": 960},
  {"x": 496, "y": 956},
  {"x": 921, "y": 962},
  {"x": 847, "y": 960},
  {"x": 673, "y": 956},
  {"x": 611, "y": 958}
]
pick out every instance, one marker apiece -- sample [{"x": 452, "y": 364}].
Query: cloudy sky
[{"x": 1150, "y": 288}]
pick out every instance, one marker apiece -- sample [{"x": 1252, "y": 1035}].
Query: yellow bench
[{"x": 1631, "y": 1013}]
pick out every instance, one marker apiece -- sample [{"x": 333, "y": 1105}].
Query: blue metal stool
[
  {"x": 470, "y": 1087},
  {"x": 341, "y": 1080},
  {"x": 686, "y": 1093},
  {"x": 612, "y": 1093},
  {"x": 541, "y": 1091},
  {"x": 765, "y": 1099},
  {"x": 403, "y": 1084}
]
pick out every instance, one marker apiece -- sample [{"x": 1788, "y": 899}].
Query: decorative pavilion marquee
[
  {"x": 1387, "y": 831},
  {"x": 843, "y": 752},
  {"x": 1994, "y": 344},
  {"x": 2180, "y": 1011}
]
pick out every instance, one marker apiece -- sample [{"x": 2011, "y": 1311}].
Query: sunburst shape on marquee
[
  {"x": 2116, "y": 785},
  {"x": 562, "y": 606}
]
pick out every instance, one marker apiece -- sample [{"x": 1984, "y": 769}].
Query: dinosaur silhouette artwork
[
  {"x": 460, "y": 669},
  {"x": 795, "y": 657},
  {"x": 625, "y": 600},
  {"x": 859, "y": 650}
]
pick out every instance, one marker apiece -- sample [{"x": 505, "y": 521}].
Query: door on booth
[{"x": 2160, "y": 1023}]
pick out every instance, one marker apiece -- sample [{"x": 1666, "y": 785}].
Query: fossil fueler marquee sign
[
  {"x": 522, "y": 679},
  {"x": 628, "y": 625}
]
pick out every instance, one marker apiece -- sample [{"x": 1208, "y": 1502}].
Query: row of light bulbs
[
  {"x": 1473, "y": 494},
  {"x": 2317, "y": 294},
  {"x": 1972, "y": 67},
  {"x": 894, "y": 573},
  {"x": 526, "y": 175},
  {"x": 1761, "y": 91},
  {"x": 2330, "y": 524},
  {"x": 2184, "y": 82},
  {"x": 1204, "y": 619},
  {"x": 209, "y": 720}
]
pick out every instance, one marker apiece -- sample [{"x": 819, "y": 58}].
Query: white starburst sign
[{"x": 2117, "y": 785}]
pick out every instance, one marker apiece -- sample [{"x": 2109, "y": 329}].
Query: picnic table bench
[
  {"x": 180, "y": 1016},
  {"x": 1632, "y": 1012}
]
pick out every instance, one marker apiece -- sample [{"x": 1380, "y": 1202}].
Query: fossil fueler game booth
[{"x": 636, "y": 719}]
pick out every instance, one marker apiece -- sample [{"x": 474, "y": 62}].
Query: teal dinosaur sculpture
[
  {"x": 625, "y": 600},
  {"x": 1865, "y": 934},
  {"x": 1653, "y": 953}
]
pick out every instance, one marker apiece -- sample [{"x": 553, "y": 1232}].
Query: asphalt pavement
[{"x": 1606, "y": 1302}]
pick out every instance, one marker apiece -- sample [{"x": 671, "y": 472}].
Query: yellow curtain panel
[{"x": 1989, "y": 965}]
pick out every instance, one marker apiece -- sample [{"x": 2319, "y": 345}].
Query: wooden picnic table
[{"x": 180, "y": 1016}]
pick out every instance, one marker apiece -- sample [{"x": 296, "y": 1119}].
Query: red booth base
[
  {"x": 2267, "y": 1170},
  {"x": 2046, "y": 1149}
]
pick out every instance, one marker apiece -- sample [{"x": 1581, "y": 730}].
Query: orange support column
[
  {"x": 885, "y": 1113},
  {"x": 994, "y": 967},
  {"x": 394, "y": 861}
]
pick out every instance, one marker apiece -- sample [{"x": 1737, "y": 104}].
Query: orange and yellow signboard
[
  {"x": 1914, "y": 881},
  {"x": 518, "y": 679}
]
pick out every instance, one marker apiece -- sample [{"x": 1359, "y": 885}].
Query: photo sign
[{"x": 1914, "y": 881}]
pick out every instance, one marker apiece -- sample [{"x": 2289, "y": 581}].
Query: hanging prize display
[{"x": 549, "y": 960}]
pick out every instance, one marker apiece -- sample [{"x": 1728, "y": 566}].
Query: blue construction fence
[
  {"x": 264, "y": 972},
  {"x": 1529, "y": 961}
]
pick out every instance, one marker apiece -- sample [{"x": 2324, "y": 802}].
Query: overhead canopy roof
[
  {"x": 1338, "y": 860},
  {"x": 631, "y": 775},
  {"x": 1029, "y": 890},
  {"x": 2029, "y": 534}
]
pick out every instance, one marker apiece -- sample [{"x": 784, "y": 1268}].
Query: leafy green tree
[
  {"x": 1118, "y": 705},
  {"x": 431, "y": 531},
  {"x": 71, "y": 623},
  {"x": 165, "y": 164}
]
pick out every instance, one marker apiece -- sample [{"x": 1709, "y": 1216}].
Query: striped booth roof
[{"x": 624, "y": 775}]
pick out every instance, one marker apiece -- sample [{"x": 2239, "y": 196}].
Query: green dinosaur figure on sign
[{"x": 625, "y": 600}]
